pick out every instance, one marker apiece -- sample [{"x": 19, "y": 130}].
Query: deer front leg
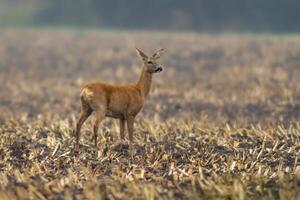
[
  {"x": 130, "y": 127},
  {"x": 122, "y": 128}
]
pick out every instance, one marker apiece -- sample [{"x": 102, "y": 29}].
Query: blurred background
[
  {"x": 197, "y": 15},
  {"x": 50, "y": 49}
]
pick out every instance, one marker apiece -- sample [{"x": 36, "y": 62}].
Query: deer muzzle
[{"x": 159, "y": 69}]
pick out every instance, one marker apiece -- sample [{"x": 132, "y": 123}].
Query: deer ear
[
  {"x": 157, "y": 54},
  {"x": 142, "y": 54}
]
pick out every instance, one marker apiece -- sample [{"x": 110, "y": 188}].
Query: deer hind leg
[
  {"x": 84, "y": 114},
  {"x": 100, "y": 115},
  {"x": 122, "y": 128}
]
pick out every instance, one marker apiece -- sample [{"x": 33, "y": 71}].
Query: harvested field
[{"x": 221, "y": 122}]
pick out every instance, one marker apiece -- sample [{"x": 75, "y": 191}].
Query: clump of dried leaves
[{"x": 222, "y": 121}]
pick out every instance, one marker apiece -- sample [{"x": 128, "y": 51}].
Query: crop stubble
[{"x": 222, "y": 120}]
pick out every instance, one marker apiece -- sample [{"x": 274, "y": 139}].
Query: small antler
[
  {"x": 157, "y": 54},
  {"x": 141, "y": 53}
]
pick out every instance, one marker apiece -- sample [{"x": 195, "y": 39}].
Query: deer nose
[{"x": 159, "y": 69}]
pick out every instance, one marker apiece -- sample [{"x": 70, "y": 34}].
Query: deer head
[{"x": 150, "y": 62}]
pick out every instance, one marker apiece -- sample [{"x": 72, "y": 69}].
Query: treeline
[{"x": 207, "y": 15}]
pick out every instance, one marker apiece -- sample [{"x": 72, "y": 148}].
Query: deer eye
[{"x": 150, "y": 62}]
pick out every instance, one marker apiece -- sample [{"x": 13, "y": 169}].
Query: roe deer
[{"x": 118, "y": 101}]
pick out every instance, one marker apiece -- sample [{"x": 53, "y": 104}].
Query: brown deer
[{"x": 118, "y": 101}]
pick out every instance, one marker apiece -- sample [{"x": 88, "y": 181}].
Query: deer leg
[
  {"x": 130, "y": 127},
  {"x": 83, "y": 117},
  {"x": 122, "y": 128},
  {"x": 100, "y": 115}
]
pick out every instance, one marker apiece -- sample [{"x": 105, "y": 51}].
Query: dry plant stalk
[{"x": 226, "y": 127}]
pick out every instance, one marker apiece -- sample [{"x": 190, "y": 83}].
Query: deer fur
[{"x": 123, "y": 102}]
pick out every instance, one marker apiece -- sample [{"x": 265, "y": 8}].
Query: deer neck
[{"x": 145, "y": 82}]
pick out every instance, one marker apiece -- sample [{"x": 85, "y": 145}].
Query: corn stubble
[{"x": 222, "y": 121}]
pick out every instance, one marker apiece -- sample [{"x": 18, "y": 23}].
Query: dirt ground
[{"x": 221, "y": 121}]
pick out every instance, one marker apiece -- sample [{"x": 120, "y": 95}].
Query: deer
[{"x": 121, "y": 102}]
